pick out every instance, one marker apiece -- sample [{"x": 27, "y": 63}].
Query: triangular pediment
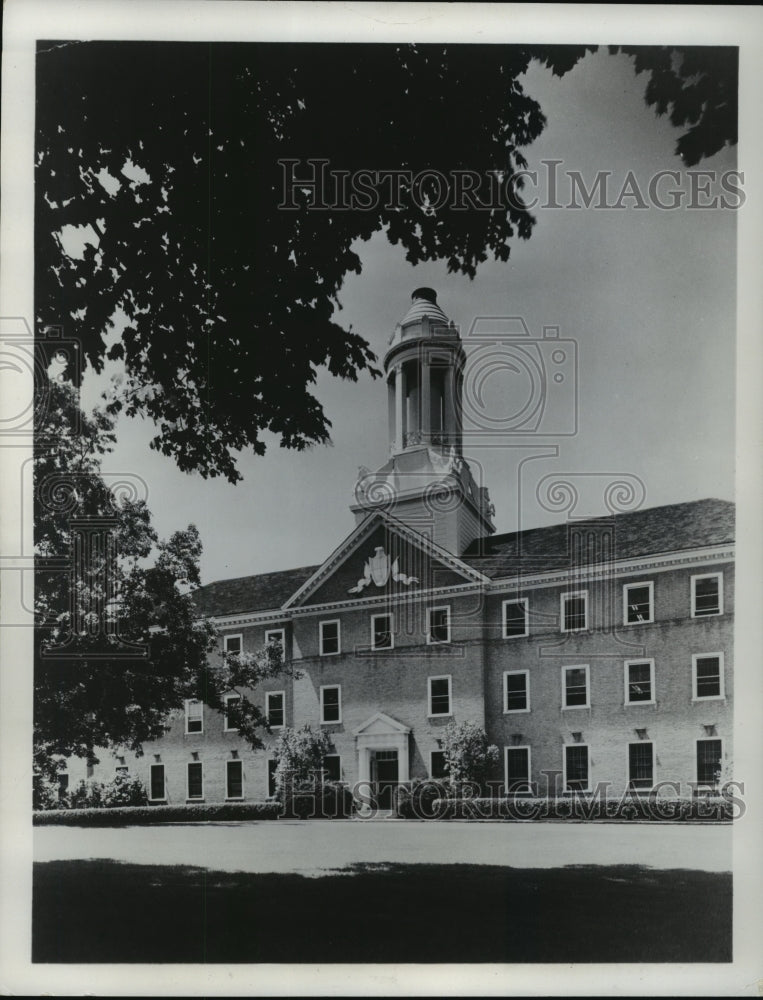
[
  {"x": 383, "y": 557},
  {"x": 381, "y": 725}
]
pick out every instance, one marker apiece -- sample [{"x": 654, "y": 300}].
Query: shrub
[
  {"x": 145, "y": 815},
  {"x": 317, "y": 800},
  {"x": 124, "y": 790},
  {"x": 299, "y": 757},
  {"x": 582, "y": 808},
  {"x": 45, "y": 794},
  {"x": 416, "y": 799},
  {"x": 469, "y": 758}
]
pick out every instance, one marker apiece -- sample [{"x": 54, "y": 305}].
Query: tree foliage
[
  {"x": 166, "y": 159},
  {"x": 469, "y": 758},
  {"x": 299, "y": 754},
  {"x": 119, "y": 643}
]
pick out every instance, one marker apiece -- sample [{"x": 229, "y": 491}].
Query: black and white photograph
[{"x": 379, "y": 411}]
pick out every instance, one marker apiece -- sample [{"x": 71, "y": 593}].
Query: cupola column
[{"x": 426, "y": 400}]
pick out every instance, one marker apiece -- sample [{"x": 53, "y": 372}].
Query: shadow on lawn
[{"x": 104, "y": 911}]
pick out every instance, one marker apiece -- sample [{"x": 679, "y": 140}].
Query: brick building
[{"x": 597, "y": 649}]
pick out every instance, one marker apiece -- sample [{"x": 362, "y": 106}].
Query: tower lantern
[{"x": 426, "y": 483}]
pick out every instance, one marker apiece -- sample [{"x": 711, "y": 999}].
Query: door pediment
[{"x": 382, "y": 725}]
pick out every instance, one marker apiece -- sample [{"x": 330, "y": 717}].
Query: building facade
[{"x": 593, "y": 651}]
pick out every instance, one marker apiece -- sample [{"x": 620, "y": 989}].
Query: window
[
  {"x": 518, "y": 769},
  {"x": 156, "y": 782},
  {"x": 439, "y": 695},
  {"x": 332, "y": 767},
  {"x": 575, "y": 611},
  {"x": 381, "y": 632},
  {"x": 234, "y": 779},
  {"x": 576, "y": 768},
  {"x": 438, "y": 769},
  {"x": 575, "y": 687},
  {"x": 195, "y": 780},
  {"x": 275, "y": 708},
  {"x": 516, "y": 691},
  {"x": 709, "y": 761},
  {"x": 331, "y": 703},
  {"x": 272, "y": 764},
  {"x": 194, "y": 716},
  {"x": 276, "y": 635},
  {"x": 63, "y": 785},
  {"x": 515, "y": 622},
  {"x": 707, "y": 595},
  {"x": 233, "y": 643},
  {"x": 707, "y": 675},
  {"x": 329, "y": 634},
  {"x": 639, "y": 682},
  {"x": 638, "y": 603},
  {"x": 640, "y": 765},
  {"x": 230, "y": 719},
  {"x": 438, "y": 625}
]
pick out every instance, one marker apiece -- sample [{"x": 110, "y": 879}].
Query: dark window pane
[
  {"x": 440, "y": 697},
  {"x": 574, "y": 613},
  {"x": 515, "y": 621},
  {"x": 235, "y": 779},
  {"x": 157, "y": 781},
  {"x": 518, "y": 769},
  {"x": 331, "y": 704},
  {"x": 275, "y": 709},
  {"x": 330, "y": 637},
  {"x": 709, "y": 761},
  {"x": 194, "y": 717},
  {"x": 195, "y": 787},
  {"x": 576, "y": 687},
  {"x": 272, "y": 764},
  {"x": 640, "y": 765},
  {"x": 577, "y": 767},
  {"x": 708, "y": 677},
  {"x": 707, "y": 596},
  {"x": 231, "y": 713},
  {"x": 639, "y": 682},
  {"x": 638, "y": 604},
  {"x": 331, "y": 767},
  {"x": 382, "y": 632},
  {"x": 438, "y": 625},
  {"x": 439, "y": 767},
  {"x": 516, "y": 692},
  {"x": 233, "y": 644}
]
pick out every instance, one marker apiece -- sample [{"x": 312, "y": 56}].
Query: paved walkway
[{"x": 317, "y": 847}]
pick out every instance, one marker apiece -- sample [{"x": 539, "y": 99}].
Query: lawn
[{"x": 106, "y": 911}]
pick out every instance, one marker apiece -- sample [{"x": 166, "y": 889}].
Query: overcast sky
[{"x": 647, "y": 295}]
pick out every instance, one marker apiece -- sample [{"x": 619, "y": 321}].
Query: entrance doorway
[{"x": 385, "y": 777}]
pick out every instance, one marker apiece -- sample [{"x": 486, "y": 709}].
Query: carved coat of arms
[{"x": 378, "y": 569}]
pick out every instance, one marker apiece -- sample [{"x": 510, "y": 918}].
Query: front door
[{"x": 386, "y": 777}]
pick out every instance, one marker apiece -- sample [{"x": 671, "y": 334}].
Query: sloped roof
[
  {"x": 672, "y": 528},
  {"x": 251, "y": 593}
]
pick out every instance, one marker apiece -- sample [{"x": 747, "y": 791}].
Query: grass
[{"x": 104, "y": 911}]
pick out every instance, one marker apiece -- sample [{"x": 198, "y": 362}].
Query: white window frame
[
  {"x": 562, "y": 617},
  {"x": 430, "y": 612},
  {"x": 199, "y": 798},
  {"x": 576, "y": 666},
  {"x": 567, "y": 746},
  {"x": 226, "y": 699},
  {"x": 521, "y": 746},
  {"x": 321, "y": 626},
  {"x": 233, "y": 635},
  {"x": 629, "y": 586},
  {"x": 708, "y": 739},
  {"x": 194, "y": 732},
  {"x": 515, "y": 711},
  {"x": 626, "y": 679},
  {"x": 280, "y": 633},
  {"x": 439, "y": 715},
  {"x": 518, "y": 600},
  {"x": 646, "y": 789},
  {"x": 330, "y": 722},
  {"x": 391, "y": 617},
  {"x": 431, "y": 765},
  {"x": 721, "y": 670},
  {"x": 234, "y": 798},
  {"x": 268, "y": 696},
  {"x": 151, "y": 767},
  {"x": 706, "y": 576}
]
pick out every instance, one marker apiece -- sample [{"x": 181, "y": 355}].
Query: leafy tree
[
  {"x": 173, "y": 173},
  {"x": 299, "y": 754},
  {"x": 119, "y": 643},
  {"x": 469, "y": 758}
]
